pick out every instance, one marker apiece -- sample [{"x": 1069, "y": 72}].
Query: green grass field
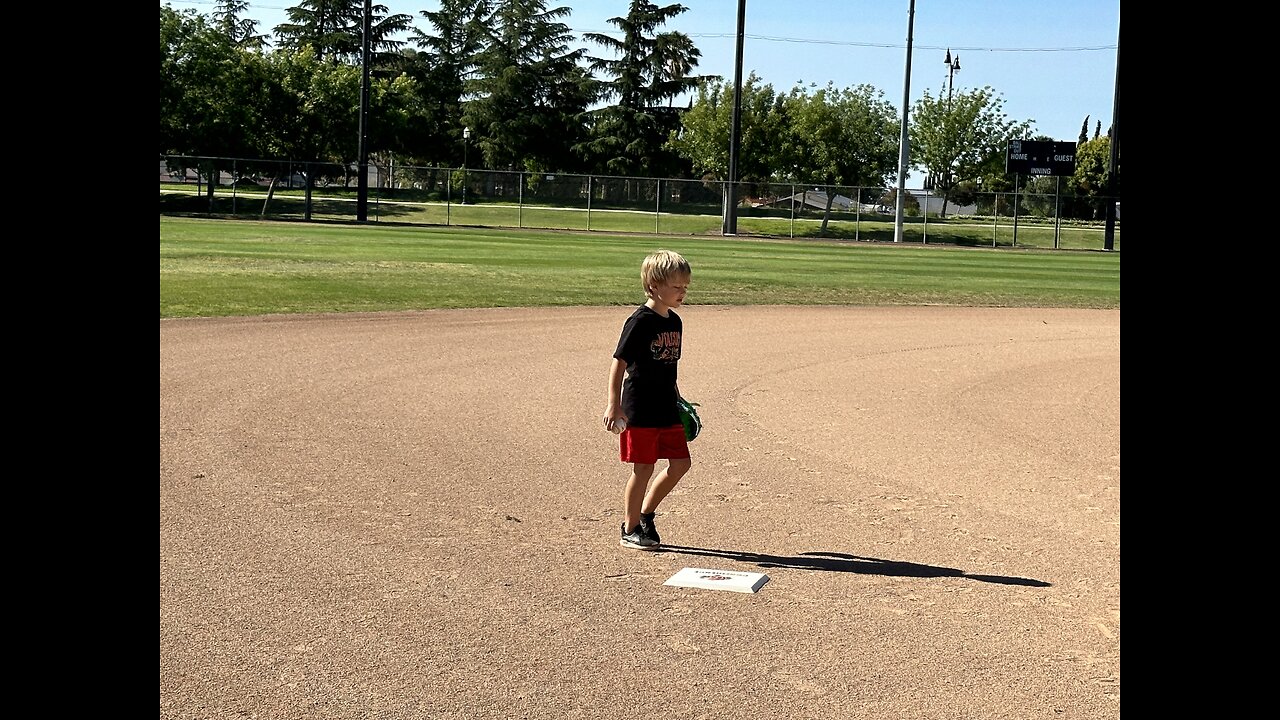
[{"x": 226, "y": 267}]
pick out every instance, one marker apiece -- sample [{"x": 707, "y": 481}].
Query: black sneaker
[
  {"x": 636, "y": 539},
  {"x": 648, "y": 529}
]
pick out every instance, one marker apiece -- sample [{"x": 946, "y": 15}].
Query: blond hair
[{"x": 660, "y": 267}]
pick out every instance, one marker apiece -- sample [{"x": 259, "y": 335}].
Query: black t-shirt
[{"x": 650, "y": 346}]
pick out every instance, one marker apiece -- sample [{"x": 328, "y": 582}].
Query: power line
[
  {"x": 773, "y": 38},
  {"x": 855, "y": 43}
]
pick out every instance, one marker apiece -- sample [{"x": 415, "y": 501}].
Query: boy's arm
[{"x": 613, "y": 410}]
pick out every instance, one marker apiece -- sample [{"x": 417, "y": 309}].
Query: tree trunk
[
  {"x": 271, "y": 191},
  {"x": 826, "y": 213}
]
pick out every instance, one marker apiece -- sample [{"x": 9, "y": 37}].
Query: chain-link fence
[{"x": 290, "y": 190}]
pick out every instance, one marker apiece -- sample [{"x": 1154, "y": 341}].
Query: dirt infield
[{"x": 414, "y": 515}]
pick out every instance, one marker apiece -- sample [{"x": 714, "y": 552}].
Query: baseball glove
[{"x": 689, "y": 418}]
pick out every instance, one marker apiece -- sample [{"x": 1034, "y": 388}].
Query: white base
[{"x": 730, "y": 580}]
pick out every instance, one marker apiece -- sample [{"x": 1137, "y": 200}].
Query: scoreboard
[{"x": 1040, "y": 157}]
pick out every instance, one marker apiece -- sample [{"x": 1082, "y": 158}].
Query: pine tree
[
  {"x": 648, "y": 71},
  {"x": 335, "y": 28},
  {"x": 529, "y": 91},
  {"x": 243, "y": 32}
]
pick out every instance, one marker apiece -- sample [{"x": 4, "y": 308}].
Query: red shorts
[{"x": 647, "y": 445}]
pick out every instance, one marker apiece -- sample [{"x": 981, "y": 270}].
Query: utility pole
[
  {"x": 903, "y": 143},
  {"x": 1109, "y": 234},
  {"x": 362, "y": 187},
  {"x": 730, "y": 226}
]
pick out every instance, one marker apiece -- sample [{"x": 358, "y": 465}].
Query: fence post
[
  {"x": 520, "y": 201},
  {"x": 793, "y": 211},
  {"x": 925, "y": 232},
  {"x": 995, "y": 217},
  {"x": 1015, "y": 209},
  {"x": 857, "y": 212},
  {"x": 1057, "y": 210},
  {"x": 657, "y": 206},
  {"x": 307, "y": 183},
  {"x": 590, "y": 192}
]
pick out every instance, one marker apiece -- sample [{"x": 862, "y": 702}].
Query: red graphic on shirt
[{"x": 666, "y": 346}]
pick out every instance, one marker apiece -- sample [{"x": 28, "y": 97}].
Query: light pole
[
  {"x": 466, "y": 143},
  {"x": 952, "y": 67}
]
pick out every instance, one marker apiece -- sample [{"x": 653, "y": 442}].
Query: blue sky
[{"x": 1053, "y": 62}]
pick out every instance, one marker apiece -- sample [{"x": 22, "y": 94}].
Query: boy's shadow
[{"x": 844, "y": 562}]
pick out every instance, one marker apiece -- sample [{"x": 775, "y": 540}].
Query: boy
[{"x": 643, "y": 408}]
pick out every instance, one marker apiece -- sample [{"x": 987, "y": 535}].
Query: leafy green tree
[
  {"x": 703, "y": 138},
  {"x": 1090, "y": 178},
  {"x": 209, "y": 93},
  {"x": 961, "y": 136},
  {"x": 648, "y": 71},
  {"x": 840, "y": 136},
  {"x": 396, "y": 103},
  {"x": 529, "y": 92},
  {"x": 315, "y": 113},
  {"x": 332, "y": 100},
  {"x": 827, "y": 136},
  {"x": 176, "y": 30},
  {"x": 335, "y": 28}
]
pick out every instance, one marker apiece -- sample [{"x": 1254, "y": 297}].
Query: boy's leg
[
  {"x": 634, "y": 494},
  {"x": 665, "y": 483}
]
